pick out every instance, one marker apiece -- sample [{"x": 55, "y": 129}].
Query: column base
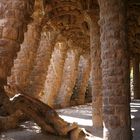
[
  {"x": 97, "y": 132},
  {"x": 117, "y": 134}
]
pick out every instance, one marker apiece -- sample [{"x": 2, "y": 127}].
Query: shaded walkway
[{"x": 80, "y": 114}]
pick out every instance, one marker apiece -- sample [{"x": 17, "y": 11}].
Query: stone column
[
  {"x": 115, "y": 70},
  {"x": 84, "y": 68},
  {"x": 25, "y": 60},
  {"x": 14, "y": 17},
  {"x": 24, "y": 63},
  {"x": 13, "y": 23},
  {"x": 136, "y": 77},
  {"x": 96, "y": 71},
  {"x": 69, "y": 78},
  {"x": 39, "y": 72},
  {"x": 55, "y": 73},
  {"x": 88, "y": 94}
]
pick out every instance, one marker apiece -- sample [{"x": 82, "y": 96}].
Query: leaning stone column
[
  {"x": 115, "y": 70},
  {"x": 23, "y": 65},
  {"x": 69, "y": 78},
  {"x": 39, "y": 72},
  {"x": 96, "y": 69},
  {"x": 136, "y": 77},
  {"x": 25, "y": 59},
  {"x": 55, "y": 73},
  {"x": 82, "y": 80},
  {"x": 13, "y": 23},
  {"x": 14, "y": 17}
]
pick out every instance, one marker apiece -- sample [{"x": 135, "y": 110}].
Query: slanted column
[
  {"x": 84, "y": 68},
  {"x": 115, "y": 70},
  {"x": 55, "y": 73},
  {"x": 39, "y": 72},
  {"x": 96, "y": 71},
  {"x": 14, "y": 17},
  {"x": 13, "y": 23},
  {"x": 24, "y": 62},
  {"x": 69, "y": 78},
  {"x": 136, "y": 77}
]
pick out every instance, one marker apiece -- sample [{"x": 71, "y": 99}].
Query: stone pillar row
[
  {"x": 115, "y": 70},
  {"x": 113, "y": 65}
]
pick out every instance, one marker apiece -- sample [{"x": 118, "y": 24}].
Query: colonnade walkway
[{"x": 80, "y": 114}]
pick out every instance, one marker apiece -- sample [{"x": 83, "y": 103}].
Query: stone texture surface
[
  {"x": 69, "y": 18},
  {"x": 14, "y": 17},
  {"x": 55, "y": 73},
  {"x": 42, "y": 61},
  {"x": 115, "y": 70},
  {"x": 136, "y": 76},
  {"x": 68, "y": 79},
  {"x": 96, "y": 71},
  {"x": 88, "y": 94},
  {"x": 24, "y": 63},
  {"x": 78, "y": 97},
  {"x": 13, "y": 22},
  {"x": 133, "y": 22}
]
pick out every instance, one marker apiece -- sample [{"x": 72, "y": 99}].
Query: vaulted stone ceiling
[
  {"x": 67, "y": 17},
  {"x": 70, "y": 18}
]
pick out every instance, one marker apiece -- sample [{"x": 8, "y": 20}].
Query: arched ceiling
[{"x": 68, "y": 16}]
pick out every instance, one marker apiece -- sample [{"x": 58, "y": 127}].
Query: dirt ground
[{"x": 80, "y": 114}]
